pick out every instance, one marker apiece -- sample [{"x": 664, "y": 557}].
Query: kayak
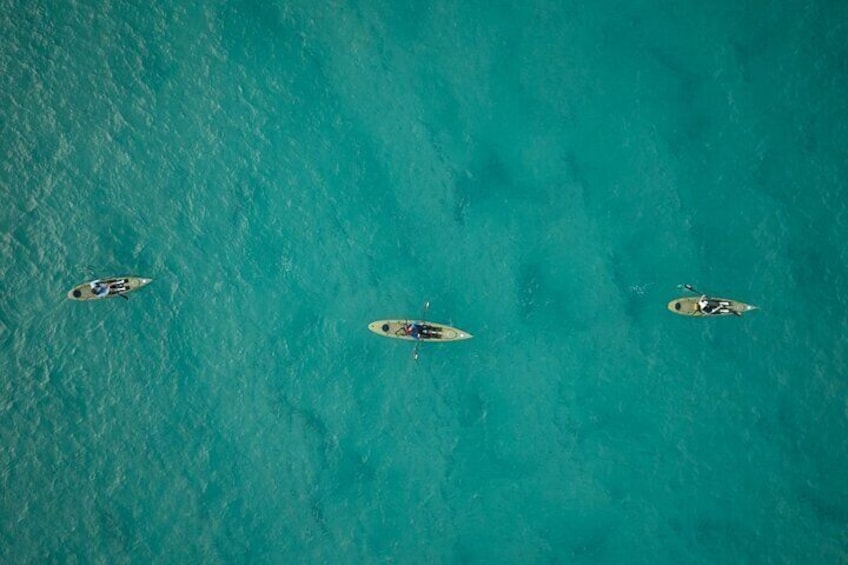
[
  {"x": 427, "y": 331},
  {"x": 107, "y": 288},
  {"x": 688, "y": 306}
]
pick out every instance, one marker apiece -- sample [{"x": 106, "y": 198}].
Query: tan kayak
[
  {"x": 107, "y": 288},
  {"x": 688, "y": 306},
  {"x": 417, "y": 330}
]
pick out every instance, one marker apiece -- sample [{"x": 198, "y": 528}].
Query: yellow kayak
[
  {"x": 417, "y": 330},
  {"x": 107, "y": 288},
  {"x": 714, "y": 307}
]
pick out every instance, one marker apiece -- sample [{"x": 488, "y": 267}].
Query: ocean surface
[{"x": 546, "y": 174}]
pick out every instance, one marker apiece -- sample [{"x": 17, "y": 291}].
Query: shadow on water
[{"x": 488, "y": 179}]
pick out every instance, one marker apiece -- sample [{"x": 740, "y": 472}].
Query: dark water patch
[
  {"x": 475, "y": 460},
  {"x": 409, "y": 24},
  {"x": 632, "y": 286},
  {"x": 488, "y": 187},
  {"x": 830, "y": 505},
  {"x": 462, "y": 203},
  {"x": 551, "y": 294},
  {"x": 719, "y": 536},
  {"x": 816, "y": 268},
  {"x": 443, "y": 113},
  {"x": 272, "y": 35},
  {"x": 473, "y": 409},
  {"x": 120, "y": 530},
  {"x": 582, "y": 539},
  {"x": 311, "y": 421},
  {"x": 693, "y": 125},
  {"x": 344, "y": 470},
  {"x": 812, "y": 440},
  {"x": 487, "y": 177},
  {"x": 574, "y": 172},
  {"x": 464, "y": 553},
  {"x": 316, "y": 512},
  {"x": 235, "y": 539},
  {"x": 351, "y": 469},
  {"x": 529, "y": 285}
]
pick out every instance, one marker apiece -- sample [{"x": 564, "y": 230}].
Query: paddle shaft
[{"x": 418, "y": 342}]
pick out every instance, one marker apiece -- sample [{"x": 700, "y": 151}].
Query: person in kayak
[
  {"x": 418, "y": 330},
  {"x": 705, "y": 307},
  {"x": 714, "y": 307},
  {"x": 414, "y": 330},
  {"x": 99, "y": 289}
]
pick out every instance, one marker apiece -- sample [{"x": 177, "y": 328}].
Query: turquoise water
[{"x": 545, "y": 174}]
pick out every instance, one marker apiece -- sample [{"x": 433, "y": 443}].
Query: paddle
[
  {"x": 690, "y": 287},
  {"x": 124, "y": 296},
  {"x": 418, "y": 341}
]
